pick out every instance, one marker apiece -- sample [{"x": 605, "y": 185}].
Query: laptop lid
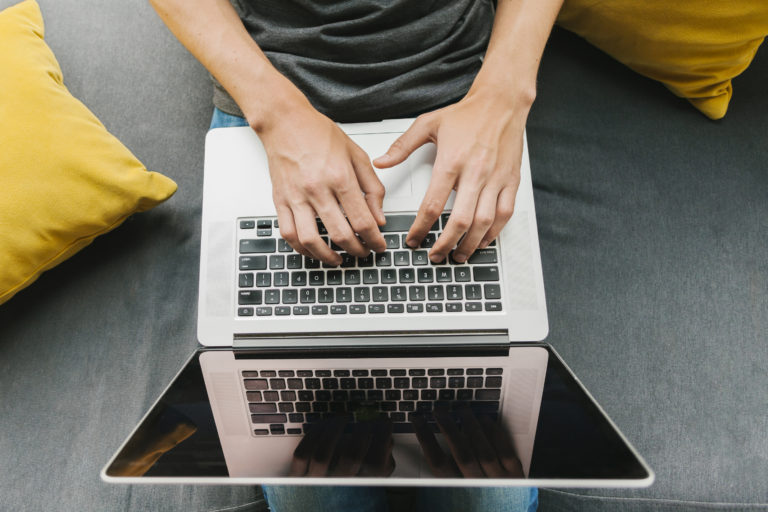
[
  {"x": 548, "y": 432},
  {"x": 237, "y": 188}
]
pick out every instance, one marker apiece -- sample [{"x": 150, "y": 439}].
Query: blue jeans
[{"x": 374, "y": 499}]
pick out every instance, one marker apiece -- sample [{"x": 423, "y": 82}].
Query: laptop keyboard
[
  {"x": 289, "y": 402},
  {"x": 274, "y": 280}
]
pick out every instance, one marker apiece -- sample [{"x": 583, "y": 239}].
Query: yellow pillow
[
  {"x": 694, "y": 47},
  {"x": 64, "y": 179}
]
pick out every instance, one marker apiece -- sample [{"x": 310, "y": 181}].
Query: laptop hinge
[{"x": 372, "y": 339}]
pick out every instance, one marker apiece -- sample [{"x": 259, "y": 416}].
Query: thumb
[{"x": 418, "y": 134}]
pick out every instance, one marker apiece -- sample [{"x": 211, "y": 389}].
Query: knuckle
[
  {"x": 505, "y": 210},
  {"x": 461, "y": 221},
  {"x": 484, "y": 219}
]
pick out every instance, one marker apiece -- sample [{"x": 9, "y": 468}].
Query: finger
[
  {"x": 485, "y": 213},
  {"x": 442, "y": 465},
  {"x": 459, "y": 221},
  {"x": 459, "y": 446},
  {"x": 361, "y": 219},
  {"x": 321, "y": 458},
  {"x": 503, "y": 444},
  {"x": 303, "y": 452},
  {"x": 288, "y": 229},
  {"x": 505, "y": 207},
  {"x": 379, "y": 450},
  {"x": 370, "y": 184},
  {"x": 418, "y": 134},
  {"x": 338, "y": 228},
  {"x": 440, "y": 187},
  {"x": 306, "y": 226},
  {"x": 484, "y": 452}
]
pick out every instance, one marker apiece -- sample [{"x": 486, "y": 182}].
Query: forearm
[
  {"x": 212, "y": 31},
  {"x": 520, "y": 32}
]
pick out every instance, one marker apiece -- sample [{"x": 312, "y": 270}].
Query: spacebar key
[
  {"x": 269, "y": 418},
  {"x": 260, "y": 245}
]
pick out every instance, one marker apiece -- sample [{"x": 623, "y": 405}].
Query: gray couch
[{"x": 654, "y": 239}]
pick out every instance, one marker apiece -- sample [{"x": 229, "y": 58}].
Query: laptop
[{"x": 386, "y": 370}]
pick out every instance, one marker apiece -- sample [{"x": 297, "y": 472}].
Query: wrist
[
  {"x": 507, "y": 93},
  {"x": 276, "y": 99}
]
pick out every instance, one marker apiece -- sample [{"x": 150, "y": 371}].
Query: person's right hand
[{"x": 318, "y": 171}]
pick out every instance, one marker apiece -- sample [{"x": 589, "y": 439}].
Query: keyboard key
[
  {"x": 453, "y": 307},
  {"x": 474, "y": 371},
  {"x": 473, "y": 306},
  {"x": 269, "y": 418},
  {"x": 416, "y": 293},
  {"x": 293, "y": 261},
  {"x": 256, "y": 384},
  {"x": 337, "y": 309},
  {"x": 299, "y": 278},
  {"x": 444, "y": 219},
  {"x": 282, "y": 246},
  {"x": 398, "y": 293},
  {"x": 393, "y": 241},
  {"x": 263, "y": 279},
  {"x": 483, "y": 256},
  {"x": 300, "y": 310},
  {"x": 464, "y": 394},
  {"x": 362, "y": 294},
  {"x": 347, "y": 260},
  {"x": 453, "y": 292},
  {"x": 247, "y": 224},
  {"x": 260, "y": 245},
  {"x": 307, "y": 295},
  {"x": 249, "y": 297},
  {"x": 435, "y": 372},
  {"x": 493, "y": 306},
  {"x": 357, "y": 309},
  {"x": 474, "y": 382},
  {"x": 264, "y": 223},
  {"x": 264, "y": 232},
  {"x": 351, "y": 277},
  {"x": 244, "y": 311},
  {"x": 380, "y": 294},
  {"x": 394, "y": 308},
  {"x": 415, "y": 308},
  {"x": 290, "y": 296},
  {"x": 384, "y": 259},
  {"x": 461, "y": 274},
  {"x": 334, "y": 277},
  {"x": 409, "y": 394},
  {"x": 370, "y": 276},
  {"x": 492, "y": 291},
  {"x": 388, "y": 276},
  {"x": 376, "y": 308},
  {"x": 473, "y": 292},
  {"x": 325, "y": 295},
  {"x": 311, "y": 263},
  {"x": 429, "y": 241},
  {"x": 281, "y": 278},
  {"x": 316, "y": 278},
  {"x": 402, "y": 258},
  {"x": 420, "y": 258},
  {"x": 253, "y": 262},
  {"x": 435, "y": 292},
  {"x": 277, "y": 262},
  {"x": 282, "y": 310},
  {"x": 264, "y": 311},
  {"x": 437, "y": 382},
  {"x": 455, "y": 382},
  {"x": 397, "y": 223},
  {"x": 245, "y": 280},
  {"x": 492, "y": 382},
  {"x": 434, "y": 307},
  {"x": 487, "y": 394},
  {"x": 367, "y": 261},
  {"x": 407, "y": 275},
  {"x": 399, "y": 372},
  {"x": 294, "y": 384},
  {"x": 486, "y": 273},
  {"x": 424, "y": 275},
  {"x": 344, "y": 294},
  {"x": 443, "y": 274},
  {"x": 494, "y": 371}
]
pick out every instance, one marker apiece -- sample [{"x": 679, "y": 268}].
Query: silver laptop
[{"x": 389, "y": 358}]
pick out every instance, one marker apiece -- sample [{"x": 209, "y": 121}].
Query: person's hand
[
  {"x": 327, "y": 450},
  {"x": 317, "y": 171},
  {"x": 480, "y": 448},
  {"x": 479, "y": 148}
]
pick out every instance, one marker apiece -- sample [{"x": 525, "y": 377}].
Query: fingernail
[
  {"x": 460, "y": 257},
  {"x": 436, "y": 258},
  {"x": 411, "y": 243},
  {"x": 484, "y": 244}
]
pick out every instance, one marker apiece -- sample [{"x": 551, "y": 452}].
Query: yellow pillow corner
[
  {"x": 66, "y": 179},
  {"x": 694, "y": 48}
]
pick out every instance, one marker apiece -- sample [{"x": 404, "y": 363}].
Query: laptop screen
[{"x": 465, "y": 416}]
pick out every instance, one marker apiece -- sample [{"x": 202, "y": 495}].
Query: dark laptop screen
[{"x": 433, "y": 422}]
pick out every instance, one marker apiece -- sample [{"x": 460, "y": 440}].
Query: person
[{"x": 290, "y": 69}]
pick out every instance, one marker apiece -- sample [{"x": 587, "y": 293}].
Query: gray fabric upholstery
[{"x": 654, "y": 238}]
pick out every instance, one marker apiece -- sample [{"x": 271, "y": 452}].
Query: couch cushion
[{"x": 65, "y": 178}]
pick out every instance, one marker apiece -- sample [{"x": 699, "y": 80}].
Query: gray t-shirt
[{"x": 365, "y": 60}]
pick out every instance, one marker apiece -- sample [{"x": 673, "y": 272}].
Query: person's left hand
[{"x": 479, "y": 148}]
